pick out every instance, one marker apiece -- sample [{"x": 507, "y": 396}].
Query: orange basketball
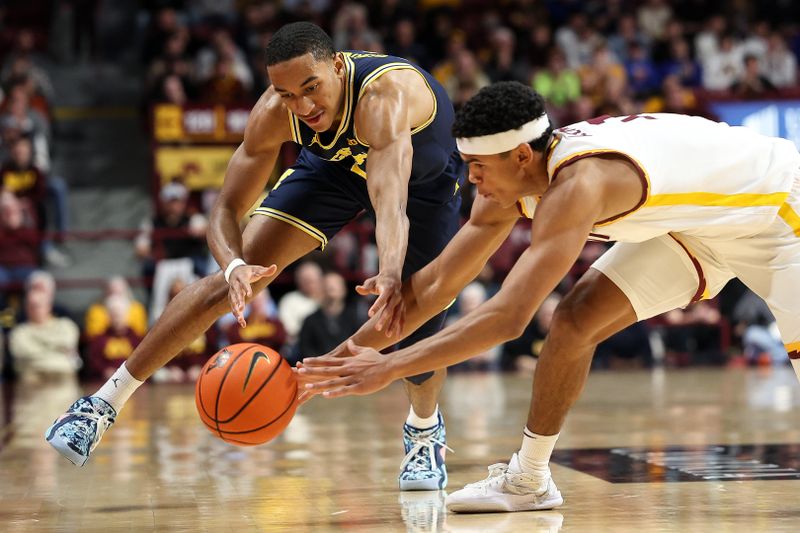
[{"x": 246, "y": 394}]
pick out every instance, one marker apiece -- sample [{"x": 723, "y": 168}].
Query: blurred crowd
[{"x": 586, "y": 57}]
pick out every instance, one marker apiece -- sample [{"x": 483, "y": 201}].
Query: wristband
[{"x": 233, "y": 264}]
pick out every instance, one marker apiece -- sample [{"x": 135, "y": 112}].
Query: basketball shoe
[
  {"x": 76, "y": 433},
  {"x": 423, "y": 466},
  {"x": 506, "y": 489}
]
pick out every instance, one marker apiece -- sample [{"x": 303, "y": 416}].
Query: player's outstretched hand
[
  {"x": 367, "y": 371},
  {"x": 389, "y": 306},
  {"x": 240, "y": 289}
]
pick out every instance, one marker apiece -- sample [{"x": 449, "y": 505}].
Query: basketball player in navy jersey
[{"x": 375, "y": 132}]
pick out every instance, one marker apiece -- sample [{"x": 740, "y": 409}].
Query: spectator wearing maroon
[
  {"x": 224, "y": 87},
  {"x": 19, "y": 245},
  {"x": 23, "y": 179},
  {"x": 19, "y": 115},
  {"x": 108, "y": 349},
  {"x": 261, "y": 327}
]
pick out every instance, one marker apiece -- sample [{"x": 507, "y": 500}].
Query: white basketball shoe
[{"x": 507, "y": 489}]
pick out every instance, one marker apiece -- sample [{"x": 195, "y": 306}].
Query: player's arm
[
  {"x": 564, "y": 218},
  {"x": 383, "y": 120},
  {"x": 245, "y": 179},
  {"x": 433, "y": 288}
]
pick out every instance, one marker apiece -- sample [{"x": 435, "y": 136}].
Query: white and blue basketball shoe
[
  {"x": 423, "y": 466},
  {"x": 76, "y": 433}
]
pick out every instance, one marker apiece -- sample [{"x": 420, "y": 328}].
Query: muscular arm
[
  {"x": 382, "y": 120},
  {"x": 431, "y": 289},
  {"x": 247, "y": 175},
  {"x": 563, "y": 221}
]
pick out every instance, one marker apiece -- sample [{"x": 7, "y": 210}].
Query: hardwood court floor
[{"x": 159, "y": 469}]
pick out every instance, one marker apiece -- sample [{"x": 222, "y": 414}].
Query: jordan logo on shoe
[{"x": 115, "y": 382}]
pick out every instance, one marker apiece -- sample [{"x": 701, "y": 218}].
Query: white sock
[
  {"x": 422, "y": 423},
  {"x": 534, "y": 456},
  {"x": 118, "y": 388}
]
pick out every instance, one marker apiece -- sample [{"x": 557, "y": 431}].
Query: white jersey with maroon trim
[{"x": 700, "y": 177}]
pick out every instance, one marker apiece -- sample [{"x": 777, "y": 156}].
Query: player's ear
[
  {"x": 524, "y": 154},
  {"x": 338, "y": 64}
]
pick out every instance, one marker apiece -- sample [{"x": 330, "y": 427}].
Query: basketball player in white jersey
[{"x": 691, "y": 203}]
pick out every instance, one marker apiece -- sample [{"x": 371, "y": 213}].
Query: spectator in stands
[
  {"x": 163, "y": 23},
  {"x": 44, "y": 347},
  {"x": 694, "y": 333},
  {"x": 404, "y": 43},
  {"x": 262, "y": 327},
  {"x": 627, "y": 35},
  {"x": 224, "y": 87},
  {"x": 780, "y": 64},
  {"x": 642, "y": 75},
  {"x": 446, "y": 68},
  {"x": 752, "y": 84},
  {"x": 674, "y": 98},
  {"x": 653, "y": 17},
  {"x": 351, "y": 27},
  {"x": 681, "y": 64},
  {"x": 23, "y": 60},
  {"x": 756, "y": 41},
  {"x": 171, "y": 91},
  {"x": 21, "y": 176},
  {"x": 578, "y": 40},
  {"x": 223, "y": 47},
  {"x": 173, "y": 61},
  {"x": 755, "y": 325},
  {"x": 503, "y": 64},
  {"x": 98, "y": 316},
  {"x": 724, "y": 66},
  {"x": 332, "y": 323},
  {"x": 707, "y": 42},
  {"x": 171, "y": 244},
  {"x": 558, "y": 84},
  {"x": 19, "y": 245},
  {"x": 601, "y": 76},
  {"x": 467, "y": 74},
  {"x": 32, "y": 124},
  {"x": 115, "y": 342},
  {"x": 540, "y": 44},
  {"x": 295, "y": 306}
]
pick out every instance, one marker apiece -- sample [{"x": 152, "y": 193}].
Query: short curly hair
[
  {"x": 502, "y": 106},
  {"x": 297, "y": 39}
]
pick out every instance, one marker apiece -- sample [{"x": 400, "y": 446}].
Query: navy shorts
[{"x": 320, "y": 197}]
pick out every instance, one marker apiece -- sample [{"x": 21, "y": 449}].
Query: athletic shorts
[{"x": 674, "y": 270}]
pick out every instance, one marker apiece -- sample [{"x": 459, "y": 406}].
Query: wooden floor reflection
[{"x": 335, "y": 468}]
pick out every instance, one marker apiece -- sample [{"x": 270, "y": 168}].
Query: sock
[
  {"x": 422, "y": 423},
  {"x": 118, "y": 388},
  {"x": 534, "y": 456}
]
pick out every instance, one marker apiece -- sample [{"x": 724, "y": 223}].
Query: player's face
[
  {"x": 311, "y": 89},
  {"x": 498, "y": 178}
]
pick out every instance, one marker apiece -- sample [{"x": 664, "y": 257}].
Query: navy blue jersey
[{"x": 432, "y": 140}]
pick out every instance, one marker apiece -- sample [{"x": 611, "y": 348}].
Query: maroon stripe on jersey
[
  {"x": 701, "y": 285},
  {"x": 794, "y": 355}
]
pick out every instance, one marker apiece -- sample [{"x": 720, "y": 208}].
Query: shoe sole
[
  {"x": 63, "y": 448},
  {"x": 501, "y": 507},
  {"x": 423, "y": 484}
]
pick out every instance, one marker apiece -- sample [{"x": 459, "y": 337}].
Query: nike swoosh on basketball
[{"x": 253, "y": 361}]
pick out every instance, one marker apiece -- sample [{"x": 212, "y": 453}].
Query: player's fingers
[
  {"x": 320, "y": 371},
  {"x": 321, "y": 361},
  {"x": 368, "y": 287},
  {"x": 347, "y": 390},
  {"x": 305, "y": 396},
  {"x": 379, "y": 304},
  {"x": 322, "y": 386}
]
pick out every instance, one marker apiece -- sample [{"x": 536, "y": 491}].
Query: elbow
[{"x": 512, "y": 323}]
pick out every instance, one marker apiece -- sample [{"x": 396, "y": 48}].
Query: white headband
[{"x": 498, "y": 143}]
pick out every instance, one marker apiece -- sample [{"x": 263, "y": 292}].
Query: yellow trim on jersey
[
  {"x": 285, "y": 175},
  {"x": 380, "y": 71},
  {"x": 348, "y": 105},
  {"x": 792, "y": 347},
  {"x": 294, "y": 221},
  {"x": 524, "y": 208},
  {"x": 587, "y": 153},
  {"x": 716, "y": 199},
  {"x": 294, "y": 127},
  {"x": 791, "y": 217}
]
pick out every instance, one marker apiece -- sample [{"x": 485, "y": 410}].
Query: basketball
[{"x": 246, "y": 394}]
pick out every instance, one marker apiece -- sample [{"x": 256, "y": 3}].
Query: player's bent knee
[
  {"x": 419, "y": 379},
  {"x": 571, "y": 325}
]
